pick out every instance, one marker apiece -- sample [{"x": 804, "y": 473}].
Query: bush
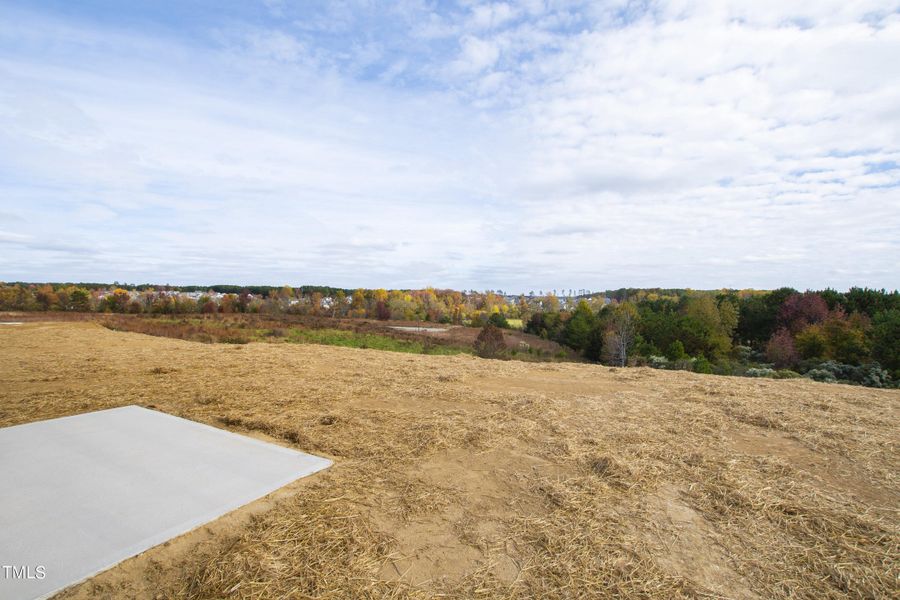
[
  {"x": 490, "y": 343},
  {"x": 745, "y": 353},
  {"x": 760, "y": 372},
  {"x": 726, "y": 367},
  {"x": 870, "y": 375},
  {"x": 702, "y": 365},
  {"x": 658, "y": 362},
  {"x": 675, "y": 351},
  {"x": 821, "y": 375},
  {"x": 874, "y": 376},
  {"x": 498, "y": 320},
  {"x": 840, "y": 370},
  {"x": 787, "y": 374},
  {"x": 685, "y": 364}
]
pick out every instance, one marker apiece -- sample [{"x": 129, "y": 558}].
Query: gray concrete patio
[{"x": 80, "y": 494}]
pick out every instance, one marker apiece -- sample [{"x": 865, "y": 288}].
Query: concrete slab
[{"x": 80, "y": 494}]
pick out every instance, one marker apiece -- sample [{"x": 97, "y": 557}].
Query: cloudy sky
[{"x": 519, "y": 146}]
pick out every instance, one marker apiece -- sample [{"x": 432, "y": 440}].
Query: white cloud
[
  {"x": 692, "y": 144},
  {"x": 491, "y": 15},
  {"x": 475, "y": 55},
  {"x": 277, "y": 45}
]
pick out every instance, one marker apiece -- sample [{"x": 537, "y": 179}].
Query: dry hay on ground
[{"x": 458, "y": 477}]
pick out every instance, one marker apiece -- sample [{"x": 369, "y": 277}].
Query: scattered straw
[{"x": 457, "y": 477}]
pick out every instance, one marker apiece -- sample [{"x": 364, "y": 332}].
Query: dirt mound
[{"x": 460, "y": 477}]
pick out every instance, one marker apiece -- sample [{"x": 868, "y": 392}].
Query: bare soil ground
[{"x": 457, "y": 477}]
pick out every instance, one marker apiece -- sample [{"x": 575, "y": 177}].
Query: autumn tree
[
  {"x": 620, "y": 333},
  {"x": 846, "y": 338},
  {"x": 729, "y": 315},
  {"x": 339, "y": 304},
  {"x": 758, "y": 315},
  {"x": 800, "y": 310},
  {"x": 702, "y": 330},
  {"x": 244, "y": 299},
  {"x": 315, "y": 303},
  {"x": 117, "y": 301},
  {"x": 780, "y": 349},
  {"x": 80, "y": 300},
  {"x": 550, "y": 303},
  {"x": 811, "y": 343},
  {"x": 46, "y": 298},
  {"x": 228, "y": 304},
  {"x": 490, "y": 342},
  {"x": 524, "y": 308}
]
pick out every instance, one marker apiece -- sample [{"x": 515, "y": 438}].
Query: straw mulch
[{"x": 457, "y": 477}]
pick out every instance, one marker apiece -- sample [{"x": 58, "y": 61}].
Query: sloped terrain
[{"x": 462, "y": 477}]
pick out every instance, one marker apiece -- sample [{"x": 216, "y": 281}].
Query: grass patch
[
  {"x": 245, "y": 329},
  {"x": 351, "y": 339}
]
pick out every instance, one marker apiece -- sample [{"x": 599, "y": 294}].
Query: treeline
[
  {"x": 257, "y": 290},
  {"x": 826, "y": 335},
  {"x": 443, "y": 306}
]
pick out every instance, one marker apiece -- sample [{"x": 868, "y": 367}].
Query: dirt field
[{"x": 461, "y": 477}]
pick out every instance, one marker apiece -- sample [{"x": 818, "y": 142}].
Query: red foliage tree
[
  {"x": 780, "y": 349},
  {"x": 800, "y": 310},
  {"x": 382, "y": 312}
]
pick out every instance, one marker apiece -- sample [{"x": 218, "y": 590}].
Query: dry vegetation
[
  {"x": 461, "y": 477},
  {"x": 240, "y": 328}
]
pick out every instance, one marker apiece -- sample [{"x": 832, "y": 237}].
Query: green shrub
[
  {"x": 702, "y": 365},
  {"x": 684, "y": 364},
  {"x": 787, "y": 374},
  {"x": 820, "y": 375},
  {"x": 725, "y": 367},
  {"x": 873, "y": 375},
  {"x": 869, "y": 375},
  {"x": 658, "y": 362},
  {"x": 498, "y": 320},
  {"x": 744, "y": 353},
  {"x": 760, "y": 372},
  {"x": 675, "y": 351},
  {"x": 840, "y": 370}
]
